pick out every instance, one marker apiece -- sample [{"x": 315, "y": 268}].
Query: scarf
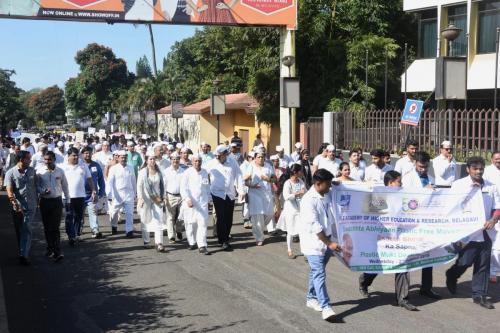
[{"x": 149, "y": 186}]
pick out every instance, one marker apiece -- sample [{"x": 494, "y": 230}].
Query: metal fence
[{"x": 475, "y": 132}]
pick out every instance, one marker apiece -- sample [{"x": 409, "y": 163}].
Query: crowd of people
[{"x": 175, "y": 189}]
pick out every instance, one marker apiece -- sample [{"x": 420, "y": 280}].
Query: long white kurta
[
  {"x": 291, "y": 209},
  {"x": 261, "y": 200},
  {"x": 151, "y": 214},
  {"x": 195, "y": 185}
]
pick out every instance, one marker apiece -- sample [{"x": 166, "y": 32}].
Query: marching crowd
[{"x": 174, "y": 188}]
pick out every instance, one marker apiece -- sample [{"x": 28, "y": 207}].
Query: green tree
[
  {"x": 142, "y": 68},
  {"x": 102, "y": 78},
  {"x": 9, "y": 101},
  {"x": 47, "y": 106}
]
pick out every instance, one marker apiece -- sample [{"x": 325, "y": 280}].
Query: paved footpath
[{"x": 114, "y": 285}]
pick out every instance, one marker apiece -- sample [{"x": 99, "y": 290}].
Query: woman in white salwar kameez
[
  {"x": 150, "y": 202},
  {"x": 259, "y": 179},
  {"x": 293, "y": 190}
]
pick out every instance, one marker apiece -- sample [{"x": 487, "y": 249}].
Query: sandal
[
  {"x": 160, "y": 248},
  {"x": 291, "y": 255}
]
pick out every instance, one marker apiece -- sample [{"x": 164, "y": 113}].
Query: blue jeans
[
  {"x": 22, "y": 224},
  {"x": 92, "y": 211},
  {"x": 317, "y": 279},
  {"x": 74, "y": 217}
]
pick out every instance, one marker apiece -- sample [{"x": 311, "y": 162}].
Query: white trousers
[
  {"x": 173, "y": 205},
  {"x": 196, "y": 232},
  {"x": 495, "y": 262},
  {"x": 159, "y": 239},
  {"x": 128, "y": 208},
  {"x": 258, "y": 225}
]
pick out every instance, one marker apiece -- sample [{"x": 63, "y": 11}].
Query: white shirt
[
  {"x": 444, "y": 170},
  {"x": 491, "y": 199},
  {"x": 52, "y": 180},
  {"x": 76, "y": 175},
  {"x": 195, "y": 185},
  {"x": 224, "y": 177},
  {"x": 163, "y": 164},
  {"x": 357, "y": 172},
  {"x": 317, "y": 159},
  {"x": 30, "y": 148},
  {"x": 374, "y": 174},
  {"x": 316, "y": 215},
  {"x": 295, "y": 156},
  {"x": 492, "y": 173},
  {"x": 102, "y": 158},
  {"x": 285, "y": 161},
  {"x": 122, "y": 184},
  {"x": 412, "y": 180},
  {"x": 330, "y": 165},
  {"x": 172, "y": 179},
  {"x": 404, "y": 165},
  {"x": 37, "y": 161}
]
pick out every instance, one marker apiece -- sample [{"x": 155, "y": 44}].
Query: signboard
[
  {"x": 218, "y": 104},
  {"x": 102, "y": 133},
  {"x": 91, "y": 130},
  {"x": 412, "y": 111},
  {"x": 136, "y": 117},
  {"x": 80, "y": 136},
  {"x": 177, "y": 110},
  {"x": 151, "y": 117},
  {"x": 124, "y": 118},
  {"x": 218, "y": 12}
]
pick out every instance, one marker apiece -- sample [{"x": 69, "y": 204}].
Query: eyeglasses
[{"x": 448, "y": 149}]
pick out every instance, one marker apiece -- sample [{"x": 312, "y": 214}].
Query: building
[
  {"x": 478, "y": 21},
  {"x": 198, "y": 125}
]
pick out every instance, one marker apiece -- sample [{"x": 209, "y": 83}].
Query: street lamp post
[
  {"x": 289, "y": 61},
  {"x": 216, "y": 84}
]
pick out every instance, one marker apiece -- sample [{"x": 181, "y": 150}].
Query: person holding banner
[
  {"x": 317, "y": 233},
  {"x": 477, "y": 251},
  {"x": 376, "y": 171}
]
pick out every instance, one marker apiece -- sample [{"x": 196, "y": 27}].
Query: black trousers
[
  {"x": 479, "y": 255},
  {"x": 224, "y": 209},
  {"x": 18, "y": 219},
  {"x": 51, "y": 211},
  {"x": 401, "y": 282}
]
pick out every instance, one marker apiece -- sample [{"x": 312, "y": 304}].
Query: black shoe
[
  {"x": 114, "y": 230},
  {"x": 407, "y": 305},
  {"x": 226, "y": 247},
  {"x": 171, "y": 240},
  {"x": 364, "y": 291},
  {"x": 49, "y": 254},
  {"x": 451, "y": 284},
  {"x": 430, "y": 293},
  {"x": 24, "y": 261},
  {"x": 482, "y": 301},
  {"x": 295, "y": 239},
  {"x": 179, "y": 236},
  {"x": 99, "y": 235},
  {"x": 192, "y": 247},
  {"x": 58, "y": 258},
  {"x": 203, "y": 250},
  {"x": 72, "y": 243},
  {"x": 129, "y": 234}
]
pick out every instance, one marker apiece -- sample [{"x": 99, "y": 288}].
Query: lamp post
[
  {"x": 451, "y": 33},
  {"x": 289, "y": 61},
  {"x": 216, "y": 84}
]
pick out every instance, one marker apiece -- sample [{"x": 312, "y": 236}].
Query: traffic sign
[
  {"x": 412, "y": 111},
  {"x": 177, "y": 110}
]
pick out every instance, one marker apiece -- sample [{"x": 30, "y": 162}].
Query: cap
[
  {"x": 274, "y": 157},
  {"x": 298, "y": 145},
  {"x": 184, "y": 150},
  {"x": 174, "y": 155},
  {"x": 279, "y": 148},
  {"x": 330, "y": 148},
  {"x": 60, "y": 144},
  {"x": 130, "y": 144},
  {"x": 221, "y": 149},
  {"x": 179, "y": 145},
  {"x": 196, "y": 156},
  {"x": 121, "y": 153},
  {"x": 98, "y": 146},
  {"x": 251, "y": 153},
  {"x": 170, "y": 147},
  {"x": 105, "y": 143},
  {"x": 150, "y": 153},
  {"x": 446, "y": 144},
  {"x": 234, "y": 145}
]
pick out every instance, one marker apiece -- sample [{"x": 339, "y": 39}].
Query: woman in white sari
[
  {"x": 259, "y": 179},
  {"x": 293, "y": 190},
  {"x": 150, "y": 202}
]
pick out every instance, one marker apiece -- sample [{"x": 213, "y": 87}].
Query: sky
[{"x": 42, "y": 52}]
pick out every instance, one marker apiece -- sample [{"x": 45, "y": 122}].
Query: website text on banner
[{"x": 387, "y": 230}]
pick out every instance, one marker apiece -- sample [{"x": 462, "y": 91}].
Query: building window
[
  {"x": 427, "y": 34},
  {"x": 489, "y": 19},
  {"x": 458, "y": 17}
]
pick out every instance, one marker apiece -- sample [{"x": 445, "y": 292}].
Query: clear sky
[{"x": 42, "y": 52}]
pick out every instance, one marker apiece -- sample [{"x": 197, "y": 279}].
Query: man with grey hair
[
  {"x": 444, "y": 165},
  {"x": 172, "y": 178}
]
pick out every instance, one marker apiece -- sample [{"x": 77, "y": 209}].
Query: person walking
[
  {"x": 99, "y": 185},
  {"x": 52, "y": 183},
  {"x": 121, "y": 191},
  {"x": 492, "y": 174},
  {"x": 172, "y": 177},
  {"x": 195, "y": 194},
  {"x": 20, "y": 182},
  {"x": 151, "y": 202}
]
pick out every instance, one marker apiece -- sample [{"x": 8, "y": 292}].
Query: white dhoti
[
  {"x": 128, "y": 208},
  {"x": 196, "y": 224}
]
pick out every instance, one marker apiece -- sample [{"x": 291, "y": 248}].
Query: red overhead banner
[{"x": 206, "y": 12}]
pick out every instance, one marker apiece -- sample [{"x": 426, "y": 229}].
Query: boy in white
[
  {"x": 122, "y": 188},
  {"x": 444, "y": 165},
  {"x": 195, "y": 193}
]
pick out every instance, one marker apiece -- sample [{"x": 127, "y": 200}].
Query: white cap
[
  {"x": 60, "y": 144},
  {"x": 130, "y": 144},
  {"x": 179, "y": 145},
  {"x": 298, "y": 145},
  {"x": 98, "y": 146},
  {"x": 274, "y": 157},
  {"x": 196, "y": 156},
  {"x": 251, "y": 153},
  {"x": 157, "y": 144},
  {"x": 170, "y": 147},
  {"x": 446, "y": 144},
  {"x": 150, "y": 153},
  {"x": 184, "y": 149},
  {"x": 128, "y": 136},
  {"x": 105, "y": 143},
  {"x": 174, "y": 155},
  {"x": 203, "y": 144},
  {"x": 221, "y": 149},
  {"x": 279, "y": 148},
  {"x": 330, "y": 148},
  {"x": 234, "y": 145},
  {"x": 121, "y": 153}
]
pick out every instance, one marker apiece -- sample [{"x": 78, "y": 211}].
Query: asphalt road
[{"x": 114, "y": 285}]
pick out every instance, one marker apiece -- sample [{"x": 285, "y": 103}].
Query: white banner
[{"x": 391, "y": 230}]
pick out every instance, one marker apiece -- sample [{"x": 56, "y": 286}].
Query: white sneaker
[
  {"x": 327, "y": 313},
  {"x": 313, "y": 304}
]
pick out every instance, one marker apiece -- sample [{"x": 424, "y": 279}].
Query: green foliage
[
  {"x": 143, "y": 69},
  {"x": 47, "y": 106},
  {"x": 9, "y": 101}
]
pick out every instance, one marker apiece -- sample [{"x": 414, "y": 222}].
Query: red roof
[{"x": 241, "y": 101}]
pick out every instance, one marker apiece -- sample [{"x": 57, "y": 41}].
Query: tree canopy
[{"x": 9, "y": 103}]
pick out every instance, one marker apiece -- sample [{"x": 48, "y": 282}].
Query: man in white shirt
[
  {"x": 122, "y": 188},
  {"x": 195, "y": 193},
  {"x": 285, "y": 160},
  {"x": 321, "y": 155},
  {"x": 444, "y": 165},
  {"x": 104, "y": 155},
  {"x": 477, "y": 251},
  {"x": 206, "y": 154},
  {"x": 331, "y": 162},
  {"x": 26, "y": 145},
  {"x": 37, "y": 160},
  {"x": 59, "y": 151},
  {"x": 296, "y": 154},
  {"x": 172, "y": 178},
  {"x": 318, "y": 235},
  {"x": 407, "y": 163},
  {"x": 492, "y": 172},
  {"x": 225, "y": 178},
  {"x": 76, "y": 175},
  {"x": 376, "y": 171},
  {"x": 357, "y": 170},
  {"x": 162, "y": 162}
]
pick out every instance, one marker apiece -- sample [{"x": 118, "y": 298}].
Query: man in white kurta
[
  {"x": 104, "y": 156},
  {"x": 331, "y": 162},
  {"x": 444, "y": 165},
  {"x": 122, "y": 188},
  {"x": 492, "y": 174},
  {"x": 195, "y": 193}
]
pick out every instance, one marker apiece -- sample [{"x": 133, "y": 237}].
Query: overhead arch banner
[{"x": 201, "y": 12}]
